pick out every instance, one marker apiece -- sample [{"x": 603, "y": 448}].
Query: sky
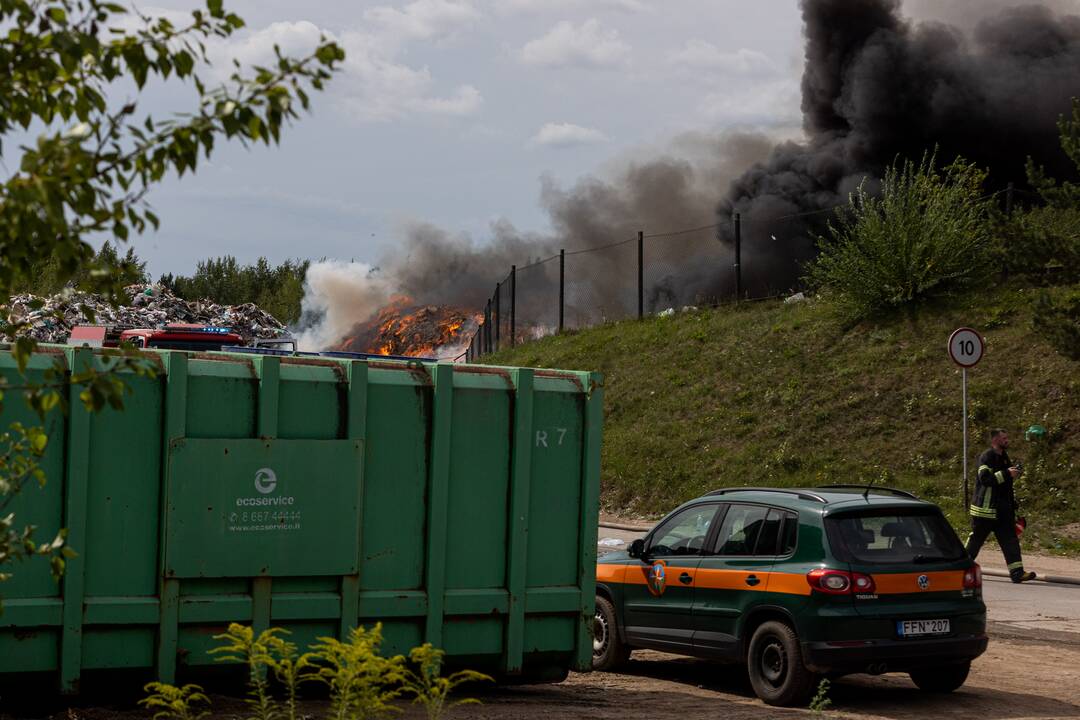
[{"x": 453, "y": 111}]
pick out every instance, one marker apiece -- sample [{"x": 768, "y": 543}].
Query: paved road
[{"x": 1033, "y": 610}]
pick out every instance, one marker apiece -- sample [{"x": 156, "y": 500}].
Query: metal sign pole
[
  {"x": 966, "y": 349},
  {"x": 964, "y": 382}
]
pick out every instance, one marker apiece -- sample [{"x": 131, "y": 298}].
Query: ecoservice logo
[{"x": 265, "y": 480}]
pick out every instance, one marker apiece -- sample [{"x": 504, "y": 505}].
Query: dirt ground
[{"x": 1017, "y": 678}]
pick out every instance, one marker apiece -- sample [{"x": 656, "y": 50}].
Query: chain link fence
[{"x": 643, "y": 275}]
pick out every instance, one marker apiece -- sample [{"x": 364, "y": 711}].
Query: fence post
[
  {"x": 640, "y": 274},
  {"x": 562, "y": 287},
  {"x": 1009, "y": 200},
  {"x": 738, "y": 256},
  {"x": 498, "y": 315},
  {"x": 487, "y": 328},
  {"x": 513, "y": 303}
]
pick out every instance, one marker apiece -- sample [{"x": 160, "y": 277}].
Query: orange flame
[{"x": 404, "y": 328}]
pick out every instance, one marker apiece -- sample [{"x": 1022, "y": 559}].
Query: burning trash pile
[
  {"x": 402, "y": 328},
  {"x": 150, "y": 306}
]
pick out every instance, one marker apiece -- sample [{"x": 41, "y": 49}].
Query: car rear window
[{"x": 893, "y": 536}]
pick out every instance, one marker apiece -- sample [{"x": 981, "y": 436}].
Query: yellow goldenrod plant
[
  {"x": 362, "y": 682},
  {"x": 267, "y": 652},
  {"x": 175, "y": 703},
  {"x": 427, "y": 685}
]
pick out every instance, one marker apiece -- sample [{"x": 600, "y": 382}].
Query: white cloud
[
  {"x": 567, "y": 135},
  {"x": 423, "y": 19},
  {"x": 377, "y": 88},
  {"x": 256, "y": 47},
  {"x": 585, "y": 45},
  {"x": 373, "y": 85},
  {"x": 771, "y": 104},
  {"x": 539, "y": 6},
  {"x": 702, "y": 55}
]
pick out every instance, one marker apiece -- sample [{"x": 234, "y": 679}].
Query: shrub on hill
[{"x": 927, "y": 231}]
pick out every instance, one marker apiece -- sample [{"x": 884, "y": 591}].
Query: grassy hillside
[{"x": 773, "y": 393}]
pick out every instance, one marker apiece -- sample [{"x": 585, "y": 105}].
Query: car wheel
[
  {"x": 943, "y": 679},
  {"x": 609, "y": 652},
  {"x": 776, "y": 667}
]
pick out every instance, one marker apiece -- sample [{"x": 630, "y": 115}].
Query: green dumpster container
[{"x": 455, "y": 504}]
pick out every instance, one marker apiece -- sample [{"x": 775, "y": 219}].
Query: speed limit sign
[
  {"x": 965, "y": 347},
  {"x": 966, "y": 350}
]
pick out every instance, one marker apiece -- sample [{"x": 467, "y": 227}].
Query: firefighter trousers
[{"x": 1005, "y": 532}]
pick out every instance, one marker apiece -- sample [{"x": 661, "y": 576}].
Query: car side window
[
  {"x": 742, "y": 527},
  {"x": 683, "y": 534},
  {"x": 789, "y": 535},
  {"x": 768, "y": 543}
]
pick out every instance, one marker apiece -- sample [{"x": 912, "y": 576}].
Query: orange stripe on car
[
  {"x": 788, "y": 583},
  {"x": 611, "y": 573},
  {"x": 908, "y": 583},
  {"x": 729, "y": 579},
  {"x": 710, "y": 579}
]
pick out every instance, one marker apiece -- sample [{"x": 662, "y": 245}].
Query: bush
[
  {"x": 1043, "y": 243},
  {"x": 1064, "y": 195},
  {"x": 927, "y": 232}
]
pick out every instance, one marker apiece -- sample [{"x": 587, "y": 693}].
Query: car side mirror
[{"x": 637, "y": 549}]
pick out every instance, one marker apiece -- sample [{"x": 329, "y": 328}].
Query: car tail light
[
  {"x": 840, "y": 582},
  {"x": 862, "y": 584},
  {"x": 973, "y": 578}
]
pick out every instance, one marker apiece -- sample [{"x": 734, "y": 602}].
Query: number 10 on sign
[{"x": 966, "y": 350}]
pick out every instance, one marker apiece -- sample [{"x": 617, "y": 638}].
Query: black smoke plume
[
  {"x": 877, "y": 87},
  {"x": 434, "y": 266}
]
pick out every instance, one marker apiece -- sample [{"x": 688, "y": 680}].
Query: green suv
[{"x": 797, "y": 584}]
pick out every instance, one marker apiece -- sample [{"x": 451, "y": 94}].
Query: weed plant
[
  {"x": 175, "y": 703},
  {"x": 427, "y": 685},
  {"x": 821, "y": 702},
  {"x": 362, "y": 683}
]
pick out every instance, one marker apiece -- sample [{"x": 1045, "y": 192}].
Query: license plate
[{"x": 918, "y": 628}]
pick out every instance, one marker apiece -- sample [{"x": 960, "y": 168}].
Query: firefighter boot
[{"x": 1021, "y": 576}]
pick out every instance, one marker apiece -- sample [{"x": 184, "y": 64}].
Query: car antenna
[{"x": 866, "y": 493}]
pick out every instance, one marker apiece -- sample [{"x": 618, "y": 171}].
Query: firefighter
[{"x": 993, "y": 508}]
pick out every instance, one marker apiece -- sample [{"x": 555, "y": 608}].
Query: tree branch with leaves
[{"x": 66, "y": 72}]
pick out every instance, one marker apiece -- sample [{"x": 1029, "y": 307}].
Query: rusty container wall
[{"x": 455, "y": 504}]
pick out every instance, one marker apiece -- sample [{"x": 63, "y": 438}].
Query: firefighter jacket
[{"x": 994, "y": 499}]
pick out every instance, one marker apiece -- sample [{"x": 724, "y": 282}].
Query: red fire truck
[{"x": 175, "y": 336}]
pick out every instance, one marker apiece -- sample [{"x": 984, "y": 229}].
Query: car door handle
[
  {"x": 686, "y": 578},
  {"x": 752, "y": 580}
]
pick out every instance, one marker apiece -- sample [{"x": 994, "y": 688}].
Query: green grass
[{"x": 785, "y": 394}]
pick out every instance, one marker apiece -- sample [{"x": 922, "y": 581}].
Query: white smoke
[{"x": 337, "y": 296}]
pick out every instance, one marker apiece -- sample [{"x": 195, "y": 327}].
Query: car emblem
[
  {"x": 924, "y": 582},
  {"x": 657, "y": 579}
]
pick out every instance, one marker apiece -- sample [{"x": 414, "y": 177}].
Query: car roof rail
[
  {"x": 801, "y": 494},
  {"x": 871, "y": 488}
]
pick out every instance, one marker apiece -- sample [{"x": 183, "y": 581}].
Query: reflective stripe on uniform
[
  {"x": 1019, "y": 565},
  {"x": 977, "y": 511}
]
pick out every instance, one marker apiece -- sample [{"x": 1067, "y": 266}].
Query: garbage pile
[
  {"x": 403, "y": 328},
  {"x": 150, "y": 306}
]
